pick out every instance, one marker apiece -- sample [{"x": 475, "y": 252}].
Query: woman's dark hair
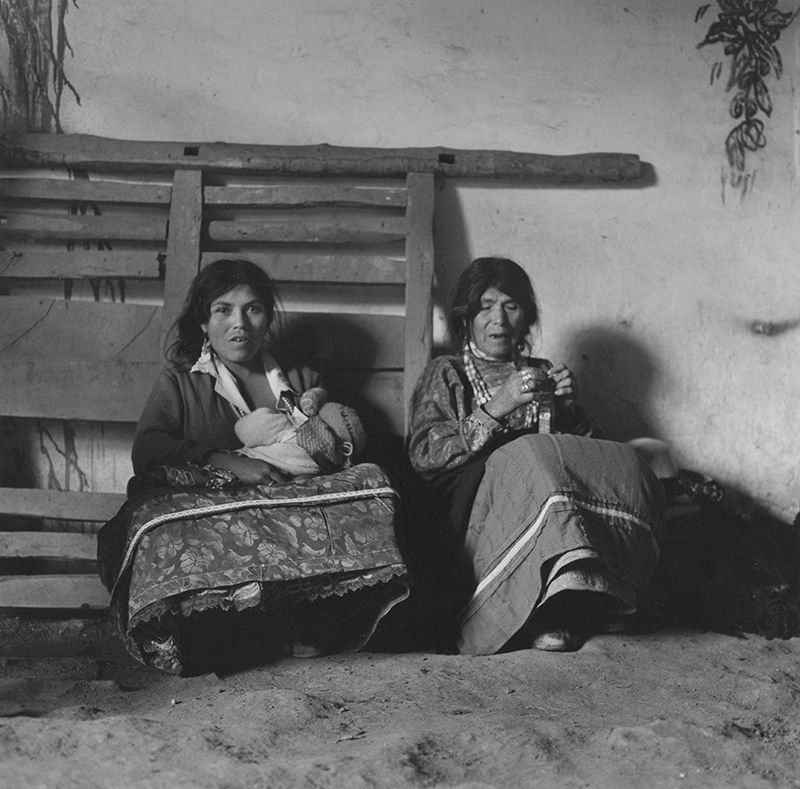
[
  {"x": 502, "y": 273},
  {"x": 211, "y": 282}
]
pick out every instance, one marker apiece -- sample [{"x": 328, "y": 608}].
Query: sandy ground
[{"x": 672, "y": 708}]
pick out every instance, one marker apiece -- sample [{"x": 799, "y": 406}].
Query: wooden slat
[
  {"x": 183, "y": 249},
  {"x": 70, "y": 227},
  {"x": 296, "y": 267},
  {"x": 83, "y": 191},
  {"x": 53, "y": 591},
  {"x": 304, "y": 195},
  {"x": 63, "y": 389},
  {"x": 48, "y": 545},
  {"x": 101, "y": 153},
  {"x": 419, "y": 299},
  {"x": 345, "y": 230},
  {"x": 89, "y": 331},
  {"x": 64, "y": 505},
  {"x": 345, "y": 340},
  {"x": 81, "y": 264},
  {"x": 377, "y": 394}
]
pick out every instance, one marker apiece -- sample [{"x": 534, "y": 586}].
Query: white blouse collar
[{"x": 226, "y": 385}]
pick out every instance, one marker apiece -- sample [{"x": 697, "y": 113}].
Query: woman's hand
[
  {"x": 565, "y": 383},
  {"x": 521, "y": 386},
  {"x": 250, "y": 471},
  {"x": 518, "y": 389}
]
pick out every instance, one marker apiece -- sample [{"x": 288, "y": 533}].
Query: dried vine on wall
[
  {"x": 32, "y": 76},
  {"x": 749, "y": 30}
]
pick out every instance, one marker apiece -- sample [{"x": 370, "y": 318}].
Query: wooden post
[
  {"x": 419, "y": 276},
  {"x": 183, "y": 243}
]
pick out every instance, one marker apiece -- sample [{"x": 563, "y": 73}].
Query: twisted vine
[{"x": 749, "y": 30}]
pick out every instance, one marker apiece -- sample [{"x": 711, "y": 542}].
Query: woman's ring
[{"x": 527, "y": 380}]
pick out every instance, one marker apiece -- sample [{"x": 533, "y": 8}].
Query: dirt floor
[{"x": 675, "y": 708}]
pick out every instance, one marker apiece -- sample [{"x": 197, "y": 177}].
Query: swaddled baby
[{"x": 303, "y": 440}]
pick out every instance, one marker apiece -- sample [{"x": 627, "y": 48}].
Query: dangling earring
[{"x": 205, "y": 351}]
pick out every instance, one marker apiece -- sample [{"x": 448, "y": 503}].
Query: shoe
[
  {"x": 558, "y": 641},
  {"x": 305, "y": 650}
]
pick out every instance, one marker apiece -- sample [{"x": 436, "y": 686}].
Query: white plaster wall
[{"x": 649, "y": 293}]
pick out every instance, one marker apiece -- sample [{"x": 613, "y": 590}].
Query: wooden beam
[
  {"x": 68, "y": 546},
  {"x": 100, "y": 153},
  {"x": 80, "y": 227},
  {"x": 64, "y": 592},
  {"x": 80, "y": 264},
  {"x": 61, "y": 504}
]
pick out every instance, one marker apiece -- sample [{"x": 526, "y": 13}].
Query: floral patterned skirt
[{"x": 204, "y": 579}]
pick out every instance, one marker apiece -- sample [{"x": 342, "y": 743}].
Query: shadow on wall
[
  {"x": 453, "y": 252},
  {"x": 617, "y": 376}
]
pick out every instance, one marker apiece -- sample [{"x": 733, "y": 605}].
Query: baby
[{"x": 312, "y": 438}]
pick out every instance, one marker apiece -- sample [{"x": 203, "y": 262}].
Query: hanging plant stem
[{"x": 32, "y": 80}]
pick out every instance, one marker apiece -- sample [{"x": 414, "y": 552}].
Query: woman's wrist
[{"x": 490, "y": 412}]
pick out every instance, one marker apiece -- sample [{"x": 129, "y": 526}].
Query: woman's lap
[
  {"x": 541, "y": 497},
  {"x": 256, "y": 564}
]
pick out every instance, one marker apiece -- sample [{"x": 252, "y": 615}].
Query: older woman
[
  {"x": 551, "y": 530},
  {"x": 218, "y": 558}
]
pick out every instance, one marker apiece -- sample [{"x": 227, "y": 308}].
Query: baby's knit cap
[
  {"x": 347, "y": 425},
  {"x": 334, "y": 437}
]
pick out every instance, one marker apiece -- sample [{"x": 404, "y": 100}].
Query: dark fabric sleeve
[
  {"x": 160, "y": 439},
  {"x": 447, "y": 429},
  {"x": 183, "y": 421}
]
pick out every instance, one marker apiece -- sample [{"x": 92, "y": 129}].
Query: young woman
[{"x": 204, "y": 578}]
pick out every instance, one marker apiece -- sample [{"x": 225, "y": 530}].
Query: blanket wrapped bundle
[{"x": 318, "y": 554}]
